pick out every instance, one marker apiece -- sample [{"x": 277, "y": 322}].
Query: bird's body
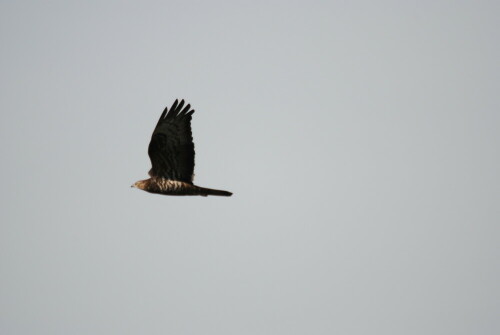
[
  {"x": 165, "y": 186},
  {"x": 171, "y": 151}
]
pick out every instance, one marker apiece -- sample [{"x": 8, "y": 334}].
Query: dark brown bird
[{"x": 171, "y": 151}]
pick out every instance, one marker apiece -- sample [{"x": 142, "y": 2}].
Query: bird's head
[{"x": 141, "y": 184}]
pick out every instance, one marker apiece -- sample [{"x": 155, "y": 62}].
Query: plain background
[{"x": 360, "y": 139}]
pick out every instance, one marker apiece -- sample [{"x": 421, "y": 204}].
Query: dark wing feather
[{"x": 171, "y": 149}]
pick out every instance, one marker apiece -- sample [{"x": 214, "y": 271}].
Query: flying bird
[{"x": 171, "y": 151}]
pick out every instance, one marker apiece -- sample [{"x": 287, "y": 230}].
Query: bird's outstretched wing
[{"x": 171, "y": 149}]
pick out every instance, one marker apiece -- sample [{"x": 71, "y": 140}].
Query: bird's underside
[
  {"x": 175, "y": 187},
  {"x": 171, "y": 151}
]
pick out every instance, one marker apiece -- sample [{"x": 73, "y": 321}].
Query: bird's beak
[{"x": 132, "y": 186}]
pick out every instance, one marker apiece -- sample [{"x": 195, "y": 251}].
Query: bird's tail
[{"x": 208, "y": 191}]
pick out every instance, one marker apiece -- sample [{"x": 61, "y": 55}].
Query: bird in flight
[{"x": 171, "y": 151}]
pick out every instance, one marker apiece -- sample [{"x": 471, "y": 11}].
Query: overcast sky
[{"x": 360, "y": 139}]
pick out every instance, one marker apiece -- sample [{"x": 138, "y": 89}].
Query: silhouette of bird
[{"x": 171, "y": 151}]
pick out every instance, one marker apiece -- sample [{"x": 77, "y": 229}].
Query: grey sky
[{"x": 360, "y": 139}]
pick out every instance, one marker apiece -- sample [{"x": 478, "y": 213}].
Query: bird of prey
[{"x": 171, "y": 151}]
